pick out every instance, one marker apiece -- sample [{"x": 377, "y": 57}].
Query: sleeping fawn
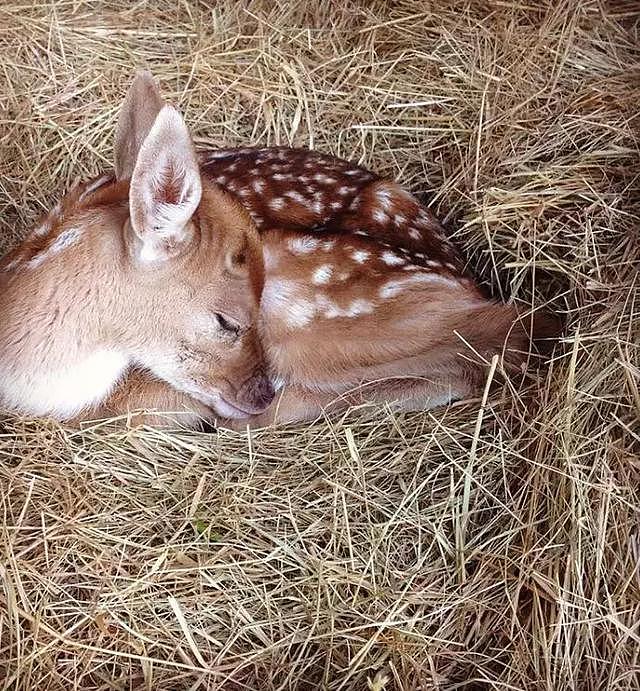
[{"x": 241, "y": 286}]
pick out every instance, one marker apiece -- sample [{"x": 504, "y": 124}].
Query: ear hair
[
  {"x": 139, "y": 110},
  {"x": 165, "y": 188}
]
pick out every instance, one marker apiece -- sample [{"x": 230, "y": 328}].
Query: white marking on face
[
  {"x": 322, "y": 274},
  {"x": 303, "y": 245},
  {"x": 391, "y": 259},
  {"x": 361, "y": 256},
  {"x": 277, "y": 203}
]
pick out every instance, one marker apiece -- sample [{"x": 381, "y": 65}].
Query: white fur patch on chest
[{"x": 65, "y": 392}]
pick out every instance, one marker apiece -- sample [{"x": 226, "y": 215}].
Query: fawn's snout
[{"x": 256, "y": 393}]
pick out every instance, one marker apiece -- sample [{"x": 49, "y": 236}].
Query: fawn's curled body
[{"x": 242, "y": 285}]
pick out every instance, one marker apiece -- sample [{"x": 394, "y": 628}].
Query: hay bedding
[{"x": 472, "y": 547}]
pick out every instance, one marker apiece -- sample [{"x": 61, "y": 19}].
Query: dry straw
[{"x": 478, "y": 547}]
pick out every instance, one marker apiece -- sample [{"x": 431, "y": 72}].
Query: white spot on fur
[
  {"x": 221, "y": 179},
  {"x": 415, "y": 234},
  {"x": 318, "y": 207},
  {"x": 271, "y": 258},
  {"x": 222, "y": 153},
  {"x": 303, "y": 245},
  {"x": 361, "y": 256},
  {"x": 384, "y": 197},
  {"x": 393, "y": 288},
  {"x": 335, "y": 206},
  {"x": 324, "y": 179},
  {"x": 322, "y": 274},
  {"x": 328, "y": 245},
  {"x": 391, "y": 259},
  {"x": 258, "y": 186},
  {"x": 380, "y": 216},
  {"x": 295, "y": 196},
  {"x": 344, "y": 190},
  {"x": 67, "y": 238},
  {"x": 355, "y": 308},
  {"x": 284, "y": 300},
  {"x": 281, "y": 176},
  {"x": 277, "y": 203}
]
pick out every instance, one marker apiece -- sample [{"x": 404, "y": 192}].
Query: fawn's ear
[
  {"x": 165, "y": 189},
  {"x": 137, "y": 115}
]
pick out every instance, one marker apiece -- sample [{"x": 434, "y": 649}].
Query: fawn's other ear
[
  {"x": 165, "y": 189},
  {"x": 137, "y": 115}
]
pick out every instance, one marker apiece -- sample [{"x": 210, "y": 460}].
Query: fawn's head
[
  {"x": 197, "y": 258},
  {"x": 159, "y": 269}
]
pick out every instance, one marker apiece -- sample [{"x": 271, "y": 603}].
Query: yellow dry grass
[{"x": 476, "y": 547}]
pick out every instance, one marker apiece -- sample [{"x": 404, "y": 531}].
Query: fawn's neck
[{"x": 62, "y": 314}]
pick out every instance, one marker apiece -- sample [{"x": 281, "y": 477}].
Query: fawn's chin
[
  {"x": 228, "y": 410},
  {"x": 219, "y": 405}
]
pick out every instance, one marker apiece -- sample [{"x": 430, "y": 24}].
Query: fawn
[{"x": 239, "y": 286}]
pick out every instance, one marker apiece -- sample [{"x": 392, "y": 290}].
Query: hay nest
[{"x": 471, "y": 547}]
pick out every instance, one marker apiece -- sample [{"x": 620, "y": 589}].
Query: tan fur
[{"x": 351, "y": 292}]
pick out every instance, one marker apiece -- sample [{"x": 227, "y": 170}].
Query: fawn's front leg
[
  {"x": 402, "y": 394},
  {"x": 149, "y": 401}
]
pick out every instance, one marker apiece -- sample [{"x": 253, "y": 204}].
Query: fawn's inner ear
[
  {"x": 137, "y": 115},
  {"x": 165, "y": 189}
]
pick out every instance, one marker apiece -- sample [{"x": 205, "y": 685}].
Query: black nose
[{"x": 257, "y": 392}]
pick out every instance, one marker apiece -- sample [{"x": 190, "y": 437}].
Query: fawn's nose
[{"x": 257, "y": 392}]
